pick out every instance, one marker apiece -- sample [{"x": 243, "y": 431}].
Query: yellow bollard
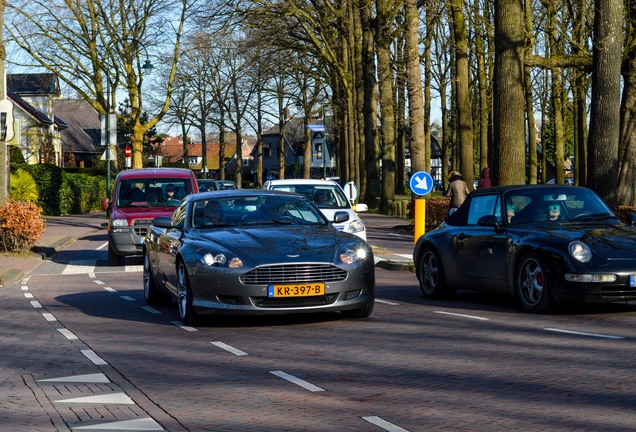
[{"x": 420, "y": 218}]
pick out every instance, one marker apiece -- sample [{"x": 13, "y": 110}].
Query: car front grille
[
  {"x": 617, "y": 293},
  {"x": 294, "y": 273},
  {"x": 140, "y": 226},
  {"x": 266, "y": 302}
]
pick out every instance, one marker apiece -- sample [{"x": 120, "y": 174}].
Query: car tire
[
  {"x": 364, "y": 312},
  {"x": 113, "y": 258},
  {"x": 431, "y": 276},
  {"x": 152, "y": 295},
  {"x": 184, "y": 296},
  {"x": 532, "y": 285}
]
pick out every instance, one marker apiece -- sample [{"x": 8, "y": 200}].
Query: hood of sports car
[
  {"x": 610, "y": 240},
  {"x": 266, "y": 245}
]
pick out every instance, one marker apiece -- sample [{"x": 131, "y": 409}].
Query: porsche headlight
[
  {"x": 353, "y": 255},
  {"x": 356, "y": 226},
  {"x": 580, "y": 251}
]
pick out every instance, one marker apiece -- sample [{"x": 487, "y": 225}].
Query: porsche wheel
[
  {"x": 151, "y": 292},
  {"x": 184, "y": 297},
  {"x": 431, "y": 276},
  {"x": 533, "y": 285}
]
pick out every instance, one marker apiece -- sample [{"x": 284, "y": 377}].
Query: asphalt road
[{"x": 82, "y": 350}]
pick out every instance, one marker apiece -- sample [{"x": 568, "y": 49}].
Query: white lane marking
[
  {"x": 127, "y": 298},
  {"x": 102, "y": 246},
  {"x": 387, "y": 426},
  {"x": 49, "y": 317},
  {"x": 91, "y": 275},
  {"x": 28, "y": 295},
  {"x": 25, "y": 287},
  {"x": 299, "y": 382},
  {"x": 151, "y": 310},
  {"x": 36, "y": 304},
  {"x": 462, "y": 315},
  {"x": 80, "y": 267},
  {"x": 229, "y": 348},
  {"x": 109, "y": 289},
  {"x": 98, "y": 282},
  {"x": 95, "y": 378},
  {"x": 112, "y": 398},
  {"x": 184, "y": 327},
  {"x": 67, "y": 334},
  {"x": 142, "y": 424},
  {"x": 386, "y": 302},
  {"x": 97, "y": 360},
  {"x": 133, "y": 268},
  {"x": 584, "y": 334}
]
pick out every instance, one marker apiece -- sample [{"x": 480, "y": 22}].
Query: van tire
[{"x": 113, "y": 258}]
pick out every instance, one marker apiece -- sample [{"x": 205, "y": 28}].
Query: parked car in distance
[
  {"x": 329, "y": 197},
  {"x": 226, "y": 184},
  {"x": 544, "y": 244},
  {"x": 139, "y": 196},
  {"x": 256, "y": 252},
  {"x": 207, "y": 185},
  {"x": 567, "y": 181}
]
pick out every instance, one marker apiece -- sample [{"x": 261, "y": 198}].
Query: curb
[{"x": 403, "y": 266}]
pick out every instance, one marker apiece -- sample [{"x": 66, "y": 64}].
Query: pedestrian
[
  {"x": 485, "y": 181},
  {"x": 457, "y": 190}
]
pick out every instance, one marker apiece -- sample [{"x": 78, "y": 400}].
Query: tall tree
[
  {"x": 627, "y": 146},
  {"x": 605, "y": 107}
]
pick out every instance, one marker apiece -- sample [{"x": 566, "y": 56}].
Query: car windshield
[
  {"x": 229, "y": 211},
  {"x": 323, "y": 196},
  {"x": 152, "y": 192},
  {"x": 560, "y": 204}
]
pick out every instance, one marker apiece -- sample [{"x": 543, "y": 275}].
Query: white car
[{"x": 329, "y": 198}]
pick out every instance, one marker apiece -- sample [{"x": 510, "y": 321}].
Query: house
[
  {"x": 171, "y": 151},
  {"x": 323, "y": 163},
  {"x": 47, "y": 128}
]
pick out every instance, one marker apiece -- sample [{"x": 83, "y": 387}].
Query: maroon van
[{"x": 139, "y": 196}]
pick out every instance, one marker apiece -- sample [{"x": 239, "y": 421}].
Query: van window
[{"x": 152, "y": 192}]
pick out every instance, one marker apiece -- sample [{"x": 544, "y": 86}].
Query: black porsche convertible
[{"x": 544, "y": 244}]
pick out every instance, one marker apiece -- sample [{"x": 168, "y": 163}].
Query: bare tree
[{"x": 87, "y": 42}]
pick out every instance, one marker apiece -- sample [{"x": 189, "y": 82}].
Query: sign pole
[{"x": 421, "y": 184}]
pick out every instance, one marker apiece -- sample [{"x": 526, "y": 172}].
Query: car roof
[
  {"x": 155, "y": 172},
  {"x": 240, "y": 193},
  {"x": 524, "y": 187}
]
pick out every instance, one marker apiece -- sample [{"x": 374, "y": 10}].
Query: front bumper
[
  {"x": 127, "y": 241},
  {"x": 595, "y": 292}
]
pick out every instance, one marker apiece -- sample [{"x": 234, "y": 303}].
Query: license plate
[
  {"x": 632, "y": 281},
  {"x": 296, "y": 290}
]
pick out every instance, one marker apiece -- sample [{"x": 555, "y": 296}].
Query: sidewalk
[{"x": 60, "y": 230}]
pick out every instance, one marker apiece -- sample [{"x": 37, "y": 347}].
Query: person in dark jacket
[
  {"x": 485, "y": 180},
  {"x": 457, "y": 190}
]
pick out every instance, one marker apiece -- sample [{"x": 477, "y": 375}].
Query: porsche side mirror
[
  {"x": 632, "y": 219},
  {"x": 489, "y": 220}
]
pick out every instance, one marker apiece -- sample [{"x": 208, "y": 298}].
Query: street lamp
[{"x": 146, "y": 67}]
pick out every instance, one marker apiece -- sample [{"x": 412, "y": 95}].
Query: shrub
[
  {"x": 23, "y": 187},
  {"x": 49, "y": 180},
  {"x": 21, "y": 225},
  {"x": 81, "y": 193}
]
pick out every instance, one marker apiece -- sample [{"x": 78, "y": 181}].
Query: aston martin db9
[
  {"x": 544, "y": 244},
  {"x": 256, "y": 252}
]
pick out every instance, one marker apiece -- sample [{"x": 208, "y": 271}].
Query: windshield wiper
[{"x": 593, "y": 217}]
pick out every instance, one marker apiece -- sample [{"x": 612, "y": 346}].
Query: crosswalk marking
[
  {"x": 111, "y": 398},
  {"x": 142, "y": 424},
  {"x": 94, "y": 378},
  {"x": 80, "y": 267}
]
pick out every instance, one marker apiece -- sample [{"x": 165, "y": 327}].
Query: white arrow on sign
[{"x": 421, "y": 183}]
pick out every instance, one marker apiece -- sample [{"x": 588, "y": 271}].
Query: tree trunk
[
  {"x": 464, "y": 111},
  {"x": 508, "y": 92},
  {"x": 627, "y": 144},
  {"x": 605, "y": 107}
]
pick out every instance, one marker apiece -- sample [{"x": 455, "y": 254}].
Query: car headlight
[
  {"x": 353, "y": 255},
  {"x": 356, "y": 226},
  {"x": 221, "y": 260},
  {"x": 580, "y": 251}
]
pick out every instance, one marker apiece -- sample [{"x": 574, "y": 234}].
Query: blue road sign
[
  {"x": 316, "y": 128},
  {"x": 421, "y": 183}
]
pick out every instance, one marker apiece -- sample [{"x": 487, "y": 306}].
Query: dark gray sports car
[
  {"x": 544, "y": 244},
  {"x": 256, "y": 252}
]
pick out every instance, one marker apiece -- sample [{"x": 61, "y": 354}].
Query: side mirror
[
  {"x": 489, "y": 220},
  {"x": 360, "y": 207},
  {"x": 632, "y": 219},
  {"x": 162, "y": 222},
  {"x": 340, "y": 216},
  {"x": 105, "y": 204}
]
